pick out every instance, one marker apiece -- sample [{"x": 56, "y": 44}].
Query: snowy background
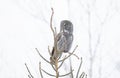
[{"x": 24, "y": 26}]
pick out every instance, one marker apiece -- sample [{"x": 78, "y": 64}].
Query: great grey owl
[{"x": 64, "y": 39}]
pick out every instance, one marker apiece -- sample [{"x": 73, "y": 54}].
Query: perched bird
[{"x": 64, "y": 39}]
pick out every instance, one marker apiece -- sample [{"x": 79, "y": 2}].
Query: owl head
[{"x": 66, "y": 26}]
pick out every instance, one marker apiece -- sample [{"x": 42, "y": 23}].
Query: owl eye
[{"x": 64, "y": 24}]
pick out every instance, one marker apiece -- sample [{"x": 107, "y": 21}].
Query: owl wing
[
  {"x": 61, "y": 45},
  {"x": 69, "y": 40},
  {"x": 61, "y": 42}
]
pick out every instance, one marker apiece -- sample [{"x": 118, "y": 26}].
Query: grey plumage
[
  {"x": 64, "y": 39},
  {"x": 66, "y": 26}
]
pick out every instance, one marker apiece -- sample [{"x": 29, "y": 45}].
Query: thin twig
[
  {"x": 55, "y": 75},
  {"x": 82, "y": 75},
  {"x": 66, "y": 74},
  {"x": 65, "y": 58},
  {"x": 53, "y": 67},
  {"x": 51, "y": 22},
  {"x": 30, "y": 75},
  {"x": 62, "y": 62},
  {"x": 69, "y": 55},
  {"x": 40, "y": 70},
  {"x": 48, "y": 73},
  {"x": 49, "y": 51},
  {"x": 79, "y": 68},
  {"x": 86, "y": 76},
  {"x": 41, "y": 56},
  {"x": 74, "y": 55},
  {"x": 55, "y": 31},
  {"x": 71, "y": 68}
]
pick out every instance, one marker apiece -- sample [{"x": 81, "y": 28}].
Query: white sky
[{"x": 24, "y": 26}]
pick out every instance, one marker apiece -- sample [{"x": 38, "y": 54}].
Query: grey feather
[{"x": 64, "y": 38}]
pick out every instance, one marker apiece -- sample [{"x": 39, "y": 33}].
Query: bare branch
[
  {"x": 62, "y": 62},
  {"x": 55, "y": 31},
  {"x": 48, "y": 73},
  {"x": 30, "y": 75},
  {"x": 82, "y": 75},
  {"x": 79, "y": 68},
  {"x": 56, "y": 67},
  {"x": 49, "y": 51},
  {"x": 51, "y": 22},
  {"x": 71, "y": 68},
  {"x": 55, "y": 75},
  {"x": 74, "y": 55},
  {"x": 69, "y": 55},
  {"x": 86, "y": 76},
  {"x": 40, "y": 70},
  {"x": 66, "y": 74},
  {"x": 41, "y": 56},
  {"x": 53, "y": 67}
]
